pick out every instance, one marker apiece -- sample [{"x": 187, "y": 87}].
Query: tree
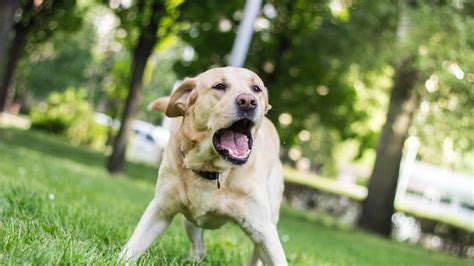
[
  {"x": 378, "y": 207},
  {"x": 421, "y": 53},
  {"x": 155, "y": 22},
  {"x": 6, "y": 22},
  {"x": 37, "y": 22}
]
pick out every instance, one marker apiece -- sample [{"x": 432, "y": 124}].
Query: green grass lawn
[{"x": 58, "y": 205}]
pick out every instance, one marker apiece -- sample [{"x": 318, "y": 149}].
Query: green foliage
[
  {"x": 70, "y": 115},
  {"x": 133, "y": 18},
  {"x": 61, "y": 62},
  {"x": 43, "y": 18},
  {"x": 59, "y": 206},
  {"x": 446, "y": 61}
]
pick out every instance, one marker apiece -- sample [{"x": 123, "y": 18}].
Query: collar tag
[{"x": 218, "y": 180}]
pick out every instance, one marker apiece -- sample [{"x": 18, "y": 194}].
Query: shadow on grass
[{"x": 59, "y": 147}]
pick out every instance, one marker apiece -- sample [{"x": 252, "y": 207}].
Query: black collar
[
  {"x": 208, "y": 175},
  {"x": 211, "y": 176}
]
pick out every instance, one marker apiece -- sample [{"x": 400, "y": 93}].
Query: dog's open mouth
[{"x": 234, "y": 143}]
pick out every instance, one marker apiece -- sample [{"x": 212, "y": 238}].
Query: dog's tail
[{"x": 159, "y": 104}]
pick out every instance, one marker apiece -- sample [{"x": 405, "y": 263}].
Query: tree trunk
[
  {"x": 7, "y": 13},
  {"x": 378, "y": 207},
  {"x": 16, "y": 48},
  {"x": 141, "y": 53}
]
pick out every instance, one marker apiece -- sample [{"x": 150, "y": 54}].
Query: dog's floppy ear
[
  {"x": 268, "y": 108},
  {"x": 178, "y": 101},
  {"x": 159, "y": 104}
]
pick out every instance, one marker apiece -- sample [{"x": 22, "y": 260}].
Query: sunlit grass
[
  {"x": 58, "y": 205},
  {"x": 351, "y": 191}
]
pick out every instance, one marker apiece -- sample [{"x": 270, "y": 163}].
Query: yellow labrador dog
[{"x": 221, "y": 164}]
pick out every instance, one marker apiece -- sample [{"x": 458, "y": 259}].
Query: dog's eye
[
  {"x": 256, "y": 88},
  {"x": 219, "y": 87}
]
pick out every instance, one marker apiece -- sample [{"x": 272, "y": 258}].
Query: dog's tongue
[{"x": 235, "y": 142}]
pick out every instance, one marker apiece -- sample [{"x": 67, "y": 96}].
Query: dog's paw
[
  {"x": 126, "y": 256},
  {"x": 197, "y": 255}
]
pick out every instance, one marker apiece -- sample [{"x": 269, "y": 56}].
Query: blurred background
[{"x": 373, "y": 100}]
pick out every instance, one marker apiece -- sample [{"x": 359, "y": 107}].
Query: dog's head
[{"x": 223, "y": 107}]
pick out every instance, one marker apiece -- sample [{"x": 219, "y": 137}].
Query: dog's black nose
[{"x": 246, "y": 102}]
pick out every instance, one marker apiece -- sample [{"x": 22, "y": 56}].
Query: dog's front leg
[
  {"x": 153, "y": 222},
  {"x": 264, "y": 235},
  {"x": 268, "y": 245}
]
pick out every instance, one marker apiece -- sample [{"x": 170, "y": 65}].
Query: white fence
[{"x": 433, "y": 191}]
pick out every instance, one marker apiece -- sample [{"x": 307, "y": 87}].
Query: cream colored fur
[{"x": 250, "y": 194}]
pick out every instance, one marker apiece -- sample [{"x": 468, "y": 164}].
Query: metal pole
[{"x": 244, "y": 35}]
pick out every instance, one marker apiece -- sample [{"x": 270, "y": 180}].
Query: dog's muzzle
[{"x": 234, "y": 143}]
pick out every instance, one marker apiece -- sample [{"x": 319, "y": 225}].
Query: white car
[{"x": 146, "y": 142}]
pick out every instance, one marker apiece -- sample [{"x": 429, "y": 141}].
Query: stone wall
[{"x": 431, "y": 234}]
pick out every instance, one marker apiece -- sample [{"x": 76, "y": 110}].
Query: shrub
[{"x": 69, "y": 114}]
